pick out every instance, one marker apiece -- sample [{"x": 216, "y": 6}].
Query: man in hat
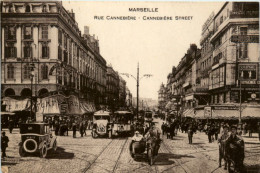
[
  {"x": 222, "y": 142},
  {"x": 258, "y": 130},
  {"x": 191, "y": 130},
  {"x": 235, "y": 149},
  {"x": 154, "y": 134},
  {"x": 4, "y": 144}
]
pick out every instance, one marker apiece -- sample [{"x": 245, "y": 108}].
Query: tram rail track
[
  {"x": 117, "y": 161},
  {"x": 103, "y": 150},
  {"x": 89, "y": 166}
]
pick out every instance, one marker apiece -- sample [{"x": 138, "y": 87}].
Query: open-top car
[{"x": 36, "y": 137}]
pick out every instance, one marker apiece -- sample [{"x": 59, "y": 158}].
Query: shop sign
[
  {"x": 248, "y": 82},
  {"x": 202, "y": 89},
  {"x": 247, "y": 67},
  {"x": 245, "y": 38},
  {"x": 63, "y": 107},
  {"x": 225, "y": 108},
  {"x": 207, "y": 111}
]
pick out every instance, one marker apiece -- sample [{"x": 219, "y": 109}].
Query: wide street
[{"x": 85, "y": 154}]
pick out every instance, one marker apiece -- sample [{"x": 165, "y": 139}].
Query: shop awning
[
  {"x": 13, "y": 105},
  {"x": 189, "y": 113},
  {"x": 251, "y": 112},
  {"x": 48, "y": 105},
  {"x": 84, "y": 107},
  {"x": 102, "y": 113},
  {"x": 225, "y": 114},
  {"x": 199, "y": 114},
  {"x": 7, "y": 113}
]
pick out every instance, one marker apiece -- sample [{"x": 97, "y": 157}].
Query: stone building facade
[{"x": 43, "y": 51}]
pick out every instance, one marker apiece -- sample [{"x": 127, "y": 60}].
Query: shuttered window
[
  {"x": 44, "y": 71},
  {"x": 45, "y": 51},
  {"x": 44, "y": 32}
]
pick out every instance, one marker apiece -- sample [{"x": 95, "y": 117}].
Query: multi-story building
[
  {"x": 122, "y": 92},
  {"x": 162, "y": 97},
  {"x": 226, "y": 70},
  {"x": 44, "y": 38},
  {"x": 112, "y": 89},
  {"x": 236, "y": 54},
  {"x": 204, "y": 62},
  {"x": 129, "y": 98}
]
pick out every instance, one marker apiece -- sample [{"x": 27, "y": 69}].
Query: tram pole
[{"x": 137, "y": 97}]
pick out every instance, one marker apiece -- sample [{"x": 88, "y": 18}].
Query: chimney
[
  {"x": 72, "y": 14},
  {"x": 86, "y": 30}
]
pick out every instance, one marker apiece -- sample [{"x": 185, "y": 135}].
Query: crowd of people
[
  {"x": 61, "y": 126},
  {"x": 227, "y": 135}
]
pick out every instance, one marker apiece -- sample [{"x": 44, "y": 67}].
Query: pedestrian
[
  {"x": 74, "y": 129},
  {"x": 163, "y": 128},
  {"x": 259, "y": 130},
  {"x": 244, "y": 128},
  {"x": 190, "y": 133},
  {"x": 249, "y": 130},
  {"x": 221, "y": 130},
  {"x": 57, "y": 127},
  {"x": 222, "y": 145},
  {"x": 19, "y": 122},
  {"x": 235, "y": 148},
  {"x": 81, "y": 129},
  {"x": 10, "y": 125},
  {"x": 216, "y": 131},
  {"x": 85, "y": 128},
  {"x": 172, "y": 130},
  {"x": 4, "y": 144}
]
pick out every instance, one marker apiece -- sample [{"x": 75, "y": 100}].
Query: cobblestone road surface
[{"x": 106, "y": 155}]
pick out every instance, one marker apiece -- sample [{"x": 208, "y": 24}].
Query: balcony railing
[{"x": 244, "y": 14}]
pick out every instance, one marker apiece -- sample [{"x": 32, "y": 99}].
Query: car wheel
[
  {"x": 43, "y": 151},
  {"x": 30, "y": 145},
  {"x": 55, "y": 146},
  {"x": 94, "y": 135},
  {"x": 22, "y": 153}
]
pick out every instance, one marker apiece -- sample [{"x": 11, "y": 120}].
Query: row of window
[
  {"x": 10, "y": 32},
  {"x": 11, "y": 51},
  {"x": 90, "y": 67},
  {"x": 26, "y": 71},
  {"x": 206, "y": 63}
]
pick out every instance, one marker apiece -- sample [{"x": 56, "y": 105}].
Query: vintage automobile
[
  {"x": 101, "y": 124},
  {"x": 36, "y": 137}
]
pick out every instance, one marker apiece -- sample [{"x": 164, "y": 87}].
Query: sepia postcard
[{"x": 130, "y": 86}]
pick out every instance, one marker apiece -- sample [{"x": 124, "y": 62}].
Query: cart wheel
[
  {"x": 55, "y": 146},
  {"x": 22, "y": 153},
  {"x": 43, "y": 151}
]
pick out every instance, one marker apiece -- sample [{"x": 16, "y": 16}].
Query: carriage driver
[{"x": 154, "y": 133}]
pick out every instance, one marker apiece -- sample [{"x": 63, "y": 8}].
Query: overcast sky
[{"x": 156, "y": 45}]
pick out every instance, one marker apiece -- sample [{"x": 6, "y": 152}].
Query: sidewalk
[{"x": 210, "y": 150}]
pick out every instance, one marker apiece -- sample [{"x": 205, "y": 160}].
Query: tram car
[
  {"x": 148, "y": 116},
  {"x": 122, "y": 123},
  {"x": 101, "y": 124}
]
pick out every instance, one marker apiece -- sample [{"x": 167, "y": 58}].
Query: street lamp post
[
  {"x": 31, "y": 77},
  {"x": 137, "y": 85}
]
